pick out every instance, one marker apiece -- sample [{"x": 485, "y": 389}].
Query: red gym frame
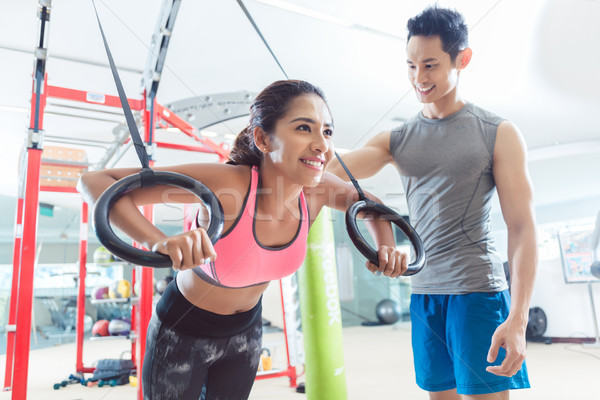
[{"x": 24, "y": 254}]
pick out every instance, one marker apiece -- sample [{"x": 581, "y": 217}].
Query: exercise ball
[
  {"x": 388, "y": 311},
  {"x": 100, "y": 328},
  {"x": 103, "y": 256},
  {"x": 100, "y": 292},
  {"x": 119, "y": 327},
  {"x": 88, "y": 323},
  {"x": 121, "y": 289},
  {"x": 160, "y": 286}
]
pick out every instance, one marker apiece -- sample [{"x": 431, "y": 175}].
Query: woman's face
[{"x": 301, "y": 146}]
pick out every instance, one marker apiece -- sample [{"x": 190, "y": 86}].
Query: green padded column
[{"x": 321, "y": 315}]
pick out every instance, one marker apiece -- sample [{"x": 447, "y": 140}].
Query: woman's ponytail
[{"x": 244, "y": 150}]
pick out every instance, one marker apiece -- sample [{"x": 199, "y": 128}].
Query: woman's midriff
[{"x": 216, "y": 299}]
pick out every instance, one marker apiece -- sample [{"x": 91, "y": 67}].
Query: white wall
[{"x": 567, "y": 306}]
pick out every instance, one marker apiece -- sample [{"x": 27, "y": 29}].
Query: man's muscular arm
[
  {"x": 366, "y": 161},
  {"x": 516, "y": 200}
]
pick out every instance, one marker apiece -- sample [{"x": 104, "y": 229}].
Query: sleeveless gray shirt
[{"x": 446, "y": 169}]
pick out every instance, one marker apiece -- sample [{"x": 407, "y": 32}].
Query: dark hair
[
  {"x": 448, "y": 24},
  {"x": 267, "y": 108}
]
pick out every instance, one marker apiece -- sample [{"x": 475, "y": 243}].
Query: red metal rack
[{"x": 21, "y": 300}]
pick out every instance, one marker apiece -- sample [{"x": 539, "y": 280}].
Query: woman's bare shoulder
[{"x": 216, "y": 176}]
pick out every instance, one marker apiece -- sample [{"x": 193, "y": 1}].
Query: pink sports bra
[{"x": 242, "y": 261}]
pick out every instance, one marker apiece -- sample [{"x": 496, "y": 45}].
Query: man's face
[{"x": 430, "y": 69}]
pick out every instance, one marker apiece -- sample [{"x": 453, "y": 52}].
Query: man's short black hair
[{"x": 448, "y": 24}]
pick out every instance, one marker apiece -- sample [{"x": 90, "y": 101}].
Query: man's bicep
[
  {"x": 511, "y": 174},
  {"x": 366, "y": 161}
]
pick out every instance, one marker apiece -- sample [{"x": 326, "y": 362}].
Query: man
[{"x": 468, "y": 340}]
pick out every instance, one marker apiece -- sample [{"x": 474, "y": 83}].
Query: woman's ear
[
  {"x": 261, "y": 140},
  {"x": 463, "y": 58}
]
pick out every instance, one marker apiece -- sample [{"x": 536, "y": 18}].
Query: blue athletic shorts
[{"x": 451, "y": 337}]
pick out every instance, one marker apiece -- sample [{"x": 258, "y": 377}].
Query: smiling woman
[
  {"x": 271, "y": 190},
  {"x": 305, "y": 122}
]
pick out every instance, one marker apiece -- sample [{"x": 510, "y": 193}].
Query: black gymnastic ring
[
  {"x": 125, "y": 251},
  {"x": 390, "y": 215}
]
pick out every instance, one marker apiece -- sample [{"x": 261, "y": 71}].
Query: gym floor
[{"x": 378, "y": 366}]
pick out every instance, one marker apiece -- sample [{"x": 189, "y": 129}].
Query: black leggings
[
  {"x": 178, "y": 366},
  {"x": 190, "y": 351}
]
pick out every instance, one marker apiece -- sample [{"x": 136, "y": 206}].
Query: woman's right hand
[{"x": 187, "y": 250}]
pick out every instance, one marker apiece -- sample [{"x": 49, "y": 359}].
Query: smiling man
[{"x": 468, "y": 339}]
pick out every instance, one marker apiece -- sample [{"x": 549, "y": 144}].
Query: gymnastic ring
[
  {"x": 390, "y": 215},
  {"x": 125, "y": 251}
]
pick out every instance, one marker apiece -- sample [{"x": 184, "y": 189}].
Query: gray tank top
[{"x": 446, "y": 168}]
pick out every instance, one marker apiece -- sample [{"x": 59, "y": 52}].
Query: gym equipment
[
  {"x": 120, "y": 290},
  {"x": 100, "y": 293},
  {"x": 537, "y": 324},
  {"x": 19, "y": 336},
  {"x": 160, "y": 286},
  {"x": 103, "y": 256},
  {"x": 119, "y": 327},
  {"x": 113, "y": 372},
  {"x": 321, "y": 314},
  {"x": 73, "y": 379},
  {"x": 146, "y": 178},
  {"x": 266, "y": 361},
  {"x": 88, "y": 323},
  {"x": 100, "y": 328},
  {"x": 388, "y": 312},
  {"x": 366, "y": 205},
  {"x": 369, "y": 206},
  {"x": 57, "y": 386}
]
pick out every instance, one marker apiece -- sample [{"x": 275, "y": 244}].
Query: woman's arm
[
  {"x": 125, "y": 213},
  {"x": 189, "y": 248},
  {"x": 335, "y": 193}
]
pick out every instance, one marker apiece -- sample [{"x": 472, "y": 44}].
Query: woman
[{"x": 207, "y": 328}]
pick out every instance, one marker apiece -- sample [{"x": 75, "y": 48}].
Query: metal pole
[
  {"x": 12, "y": 313},
  {"x": 83, "y": 239},
  {"x": 290, "y": 370},
  {"x": 25, "y": 295},
  {"x": 144, "y": 306},
  {"x": 32, "y": 188}
]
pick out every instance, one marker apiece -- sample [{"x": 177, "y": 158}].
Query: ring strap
[
  {"x": 133, "y": 130},
  {"x": 361, "y": 194}
]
